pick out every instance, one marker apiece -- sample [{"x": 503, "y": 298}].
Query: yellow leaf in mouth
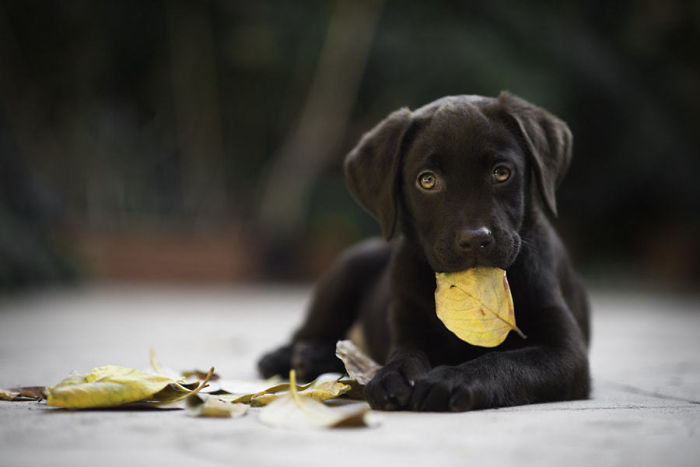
[{"x": 476, "y": 305}]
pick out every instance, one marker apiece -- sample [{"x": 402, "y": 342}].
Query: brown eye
[
  {"x": 427, "y": 180},
  {"x": 500, "y": 174}
]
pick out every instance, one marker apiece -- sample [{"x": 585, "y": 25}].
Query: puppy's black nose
[{"x": 475, "y": 239}]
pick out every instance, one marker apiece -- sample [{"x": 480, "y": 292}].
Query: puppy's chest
[{"x": 444, "y": 348}]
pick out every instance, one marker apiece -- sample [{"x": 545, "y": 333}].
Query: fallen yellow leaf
[
  {"x": 111, "y": 385},
  {"x": 316, "y": 390},
  {"x": 203, "y": 405},
  {"x": 106, "y": 386},
  {"x": 294, "y": 410},
  {"x": 476, "y": 305}
]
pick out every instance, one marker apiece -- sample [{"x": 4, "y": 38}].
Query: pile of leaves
[{"x": 282, "y": 404}]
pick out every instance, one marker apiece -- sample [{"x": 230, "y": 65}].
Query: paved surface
[{"x": 645, "y": 410}]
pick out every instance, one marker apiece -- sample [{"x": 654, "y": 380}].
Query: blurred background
[{"x": 202, "y": 141}]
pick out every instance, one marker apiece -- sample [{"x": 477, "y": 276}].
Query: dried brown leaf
[
  {"x": 359, "y": 366},
  {"x": 34, "y": 393}
]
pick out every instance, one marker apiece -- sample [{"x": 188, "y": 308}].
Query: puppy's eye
[
  {"x": 427, "y": 181},
  {"x": 500, "y": 174}
]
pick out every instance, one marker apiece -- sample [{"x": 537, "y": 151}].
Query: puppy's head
[{"x": 455, "y": 176}]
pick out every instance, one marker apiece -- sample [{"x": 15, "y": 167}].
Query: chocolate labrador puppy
[{"x": 464, "y": 181}]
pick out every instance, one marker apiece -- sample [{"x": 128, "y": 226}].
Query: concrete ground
[{"x": 645, "y": 409}]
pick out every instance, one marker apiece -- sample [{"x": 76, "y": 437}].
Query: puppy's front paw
[
  {"x": 310, "y": 359},
  {"x": 392, "y": 386},
  {"x": 277, "y": 362},
  {"x": 444, "y": 389}
]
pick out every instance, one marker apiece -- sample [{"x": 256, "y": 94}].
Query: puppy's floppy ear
[
  {"x": 372, "y": 168},
  {"x": 548, "y": 140}
]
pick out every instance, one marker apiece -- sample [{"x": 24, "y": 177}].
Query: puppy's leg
[
  {"x": 411, "y": 327},
  {"x": 334, "y": 308},
  {"x": 538, "y": 373},
  {"x": 503, "y": 379}
]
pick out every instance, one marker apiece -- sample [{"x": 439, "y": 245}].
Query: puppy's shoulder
[{"x": 362, "y": 258}]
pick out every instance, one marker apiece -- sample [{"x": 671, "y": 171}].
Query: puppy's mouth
[
  {"x": 457, "y": 265},
  {"x": 448, "y": 260}
]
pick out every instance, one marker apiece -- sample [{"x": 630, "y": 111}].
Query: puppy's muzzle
[{"x": 475, "y": 241}]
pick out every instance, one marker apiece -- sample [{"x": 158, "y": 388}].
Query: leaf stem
[
  {"x": 293, "y": 388},
  {"x": 189, "y": 392},
  {"x": 155, "y": 364}
]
